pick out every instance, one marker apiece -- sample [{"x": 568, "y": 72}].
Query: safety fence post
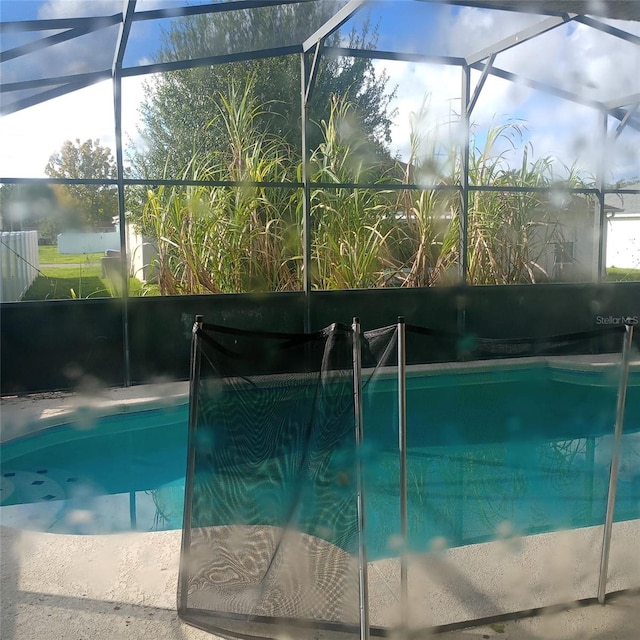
[
  {"x": 615, "y": 461},
  {"x": 194, "y": 379},
  {"x": 402, "y": 448},
  {"x": 362, "y": 549}
]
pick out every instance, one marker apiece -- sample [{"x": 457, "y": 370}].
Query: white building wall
[
  {"x": 142, "y": 256},
  {"x": 623, "y": 242},
  {"x": 579, "y": 228}
]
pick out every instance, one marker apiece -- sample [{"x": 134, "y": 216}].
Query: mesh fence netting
[
  {"x": 271, "y": 529},
  {"x": 302, "y": 500}
]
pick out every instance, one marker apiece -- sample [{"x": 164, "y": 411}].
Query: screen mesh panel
[
  {"x": 380, "y": 451},
  {"x": 508, "y": 468},
  {"x": 309, "y": 507},
  {"x": 270, "y": 530}
]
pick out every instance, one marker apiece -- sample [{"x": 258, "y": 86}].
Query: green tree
[
  {"x": 95, "y": 205},
  {"x": 178, "y": 113},
  {"x": 30, "y": 206}
]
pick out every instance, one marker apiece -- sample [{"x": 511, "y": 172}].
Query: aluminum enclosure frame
[{"x": 310, "y": 51}]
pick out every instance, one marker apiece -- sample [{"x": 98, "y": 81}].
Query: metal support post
[
  {"x": 402, "y": 447},
  {"x": 194, "y": 381},
  {"x": 362, "y": 548},
  {"x": 305, "y": 74},
  {"x": 615, "y": 462}
]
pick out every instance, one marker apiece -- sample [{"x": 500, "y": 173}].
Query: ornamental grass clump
[
  {"x": 511, "y": 234},
  {"x": 374, "y": 221},
  {"x": 350, "y": 223},
  {"x": 427, "y": 233},
  {"x": 239, "y": 235}
]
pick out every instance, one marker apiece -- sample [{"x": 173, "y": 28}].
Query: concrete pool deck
[{"x": 121, "y": 586}]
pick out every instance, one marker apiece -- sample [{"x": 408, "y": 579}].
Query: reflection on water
[
  {"x": 95, "y": 513},
  {"x": 466, "y": 494},
  {"x": 458, "y": 494}
]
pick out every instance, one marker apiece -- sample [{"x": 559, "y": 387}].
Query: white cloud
[
  {"x": 576, "y": 58},
  {"x": 436, "y": 86},
  {"x": 30, "y": 136},
  {"x": 629, "y": 26},
  {"x": 581, "y": 60},
  {"x": 87, "y": 8},
  {"x": 78, "y": 8},
  {"x": 471, "y": 29}
]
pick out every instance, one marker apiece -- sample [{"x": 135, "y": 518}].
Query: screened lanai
[
  {"x": 287, "y": 160},
  {"x": 331, "y": 301}
]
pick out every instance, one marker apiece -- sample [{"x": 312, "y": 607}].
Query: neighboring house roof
[{"x": 624, "y": 205}]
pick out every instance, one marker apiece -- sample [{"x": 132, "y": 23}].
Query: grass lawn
[
  {"x": 50, "y": 255},
  {"x": 65, "y": 283},
  {"x": 73, "y": 281},
  {"x": 617, "y": 274},
  {"x": 60, "y": 283}
]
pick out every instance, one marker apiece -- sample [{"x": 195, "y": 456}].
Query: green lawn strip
[
  {"x": 50, "y": 255},
  {"x": 67, "y": 284},
  {"x": 619, "y": 274},
  {"x": 64, "y": 283}
]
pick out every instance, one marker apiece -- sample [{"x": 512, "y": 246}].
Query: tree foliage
[
  {"x": 178, "y": 113},
  {"x": 26, "y": 206},
  {"x": 94, "y": 205}
]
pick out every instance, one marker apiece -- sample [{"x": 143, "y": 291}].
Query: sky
[{"x": 574, "y": 56}]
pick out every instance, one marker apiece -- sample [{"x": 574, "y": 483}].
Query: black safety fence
[{"x": 329, "y": 474}]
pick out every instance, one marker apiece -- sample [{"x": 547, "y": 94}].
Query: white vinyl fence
[
  {"x": 19, "y": 263},
  {"x": 81, "y": 242}
]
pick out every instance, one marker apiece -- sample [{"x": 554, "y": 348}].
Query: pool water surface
[{"x": 516, "y": 452}]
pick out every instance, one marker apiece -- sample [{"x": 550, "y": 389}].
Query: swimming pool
[
  {"x": 100, "y": 475},
  {"x": 512, "y": 448}
]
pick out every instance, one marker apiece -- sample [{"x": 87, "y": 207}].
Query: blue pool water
[
  {"x": 528, "y": 450},
  {"x": 110, "y": 474}
]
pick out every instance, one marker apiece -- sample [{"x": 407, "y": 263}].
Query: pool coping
[{"x": 26, "y": 415}]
